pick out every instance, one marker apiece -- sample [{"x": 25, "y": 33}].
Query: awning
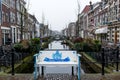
[
  {"x": 101, "y": 30},
  {"x": 8, "y": 28}
]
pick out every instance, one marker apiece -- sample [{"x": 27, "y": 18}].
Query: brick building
[
  {"x": 5, "y": 21},
  {"x": 15, "y": 22}
]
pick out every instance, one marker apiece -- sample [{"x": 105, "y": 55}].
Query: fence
[
  {"x": 107, "y": 57},
  {"x": 9, "y": 56}
]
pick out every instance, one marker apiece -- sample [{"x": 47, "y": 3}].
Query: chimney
[{"x": 91, "y": 6}]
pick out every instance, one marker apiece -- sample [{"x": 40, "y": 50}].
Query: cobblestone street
[
  {"x": 17, "y": 77},
  {"x": 83, "y": 77}
]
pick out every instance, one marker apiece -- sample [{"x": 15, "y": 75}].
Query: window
[
  {"x": 5, "y": 34},
  {"x": 18, "y": 18},
  {"x": 12, "y": 4},
  {"x": 3, "y": 16},
  {"x": 7, "y": 17},
  {"x": 18, "y": 5},
  {"x": 12, "y": 17}
]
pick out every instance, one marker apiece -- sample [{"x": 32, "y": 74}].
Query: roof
[{"x": 86, "y": 9}]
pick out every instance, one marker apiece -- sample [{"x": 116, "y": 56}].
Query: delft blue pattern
[{"x": 57, "y": 57}]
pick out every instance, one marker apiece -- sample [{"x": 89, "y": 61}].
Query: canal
[{"x": 56, "y": 45}]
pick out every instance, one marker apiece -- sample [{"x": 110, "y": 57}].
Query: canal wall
[
  {"x": 27, "y": 64},
  {"x": 90, "y": 61},
  {"x": 93, "y": 64}
]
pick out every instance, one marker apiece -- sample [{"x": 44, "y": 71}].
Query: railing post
[
  {"x": 42, "y": 70},
  {"x": 35, "y": 68},
  {"x": 117, "y": 59},
  {"x": 79, "y": 67},
  {"x": 72, "y": 70},
  {"x": 12, "y": 63},
  {"x": 103, "y": 62}
]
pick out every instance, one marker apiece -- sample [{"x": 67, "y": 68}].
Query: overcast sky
[{"x": 57, "y": 13}]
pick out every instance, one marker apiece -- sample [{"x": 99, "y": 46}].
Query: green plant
[
  {"x": 97, "y": 42},
  {"x": 97, "y": 47},
  {"x": 45, "y": 39},
  {"x": 18, "y": 47},
  {"x": 35, "y": 45},
  {"x": 35, "y": 41},
  {"x": 87, "y": 47},
  {"x": 78, "y": 46},
  {"x": 26, "y": 45},
  {"x": 89, "y": 41}
]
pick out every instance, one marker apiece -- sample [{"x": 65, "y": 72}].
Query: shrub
[
  {"x": 18, "y": 47},
  {"x": 26, "y": 45},
  {"x": 35, "y": 41},
  {"x": 97, "y": 47},
  {"x": 97, "y": 42},
  {"x": 35, "y": 45},
  {"x": 87, "y": 47},
  {"x": 45, "y": 39},
  {"x": 78, "y": 46},
  {"x": 89, "y": 41}
]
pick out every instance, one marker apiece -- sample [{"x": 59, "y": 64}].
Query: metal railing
[{"x": 108, "y": 56}]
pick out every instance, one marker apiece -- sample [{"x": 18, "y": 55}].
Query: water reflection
[{"x": 57, "y": 45}]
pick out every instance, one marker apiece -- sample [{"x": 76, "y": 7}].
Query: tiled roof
[{"x": 86, "y": 9}]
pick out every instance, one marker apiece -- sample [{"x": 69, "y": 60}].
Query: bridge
[
  {"x": 59, "y": 59},
  {"x": 56, "y": 59}
]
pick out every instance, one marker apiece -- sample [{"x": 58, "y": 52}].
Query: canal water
[{"x": 56, "y": 45}]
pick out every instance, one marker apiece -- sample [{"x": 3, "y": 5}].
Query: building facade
[
  {"x": 13, "y": 20},
  {"x": 103, "y": 21},
  {"x": 71, "y": 30},
  {"x": 114, "y": 21},
  {"x": 5, "y": 21},
  {"x": 16, "y": 23}
]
